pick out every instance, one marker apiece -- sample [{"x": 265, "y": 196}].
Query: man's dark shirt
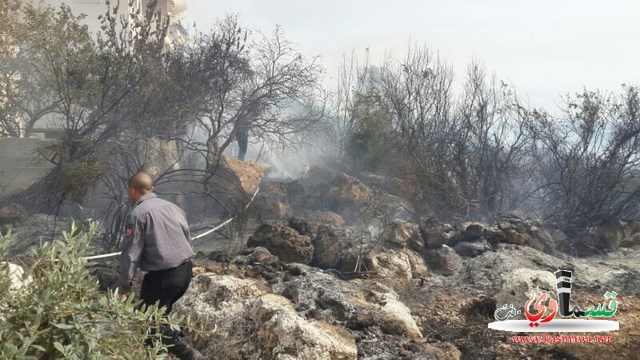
[{"x": 156, "y": 238}]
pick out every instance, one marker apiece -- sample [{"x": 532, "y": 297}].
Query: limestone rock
[
  {"x": 472, "y": 249},
  {"x": 284, "y": 242},
  {"x": 398, "y": 265},
  {"x": 419, "y": 268},
  {"x": 357, "y": 304},
  {"x": 242, "y": 175},
  {"x": 329, "y": 242},
  {"x": 271, "y": 202},
  {"x": 305, "y": 226},
  {"x": 326, "y": 189},
  {"x": 396, "y": 317},
  {"x": 282, "y": 333},
  {"x": 328, "y": 247},
  {"x": 436, "y": 236},
  {"x": 261, "y": 255},
  {"x": 444, "y": 260},
  {"x": 400, "y": 233},
  {"x": 472, "y": 231},
  {"x": 521, "y": 232},
  {"x": 261, "y": 325},
  {"x": 518, "y": 285}
]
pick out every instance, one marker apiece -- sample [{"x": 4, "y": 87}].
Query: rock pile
[{"x": 471, "y": 239}]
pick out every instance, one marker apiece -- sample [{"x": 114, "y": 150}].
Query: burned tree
[
  {"x": 588, "y": 160},
  {"x": 466, "y": 155},
  {"x": 239, "y": 87}
]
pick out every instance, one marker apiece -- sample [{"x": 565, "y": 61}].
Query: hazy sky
[{"x": 544, "y": 48}]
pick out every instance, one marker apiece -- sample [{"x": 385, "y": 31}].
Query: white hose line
[
  {"x": 101, "y": 256},
  {"x": 193, "y": 238},
  {"x": 227, "y": 221}
]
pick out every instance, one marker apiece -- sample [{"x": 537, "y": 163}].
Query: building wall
[
  {"x": 20, "y": 165},
  {"x": 175, "y": 9},
  {"x": 91, "y": 8}
]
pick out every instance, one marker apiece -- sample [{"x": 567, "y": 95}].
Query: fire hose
[{"x": 93, "y": 257}]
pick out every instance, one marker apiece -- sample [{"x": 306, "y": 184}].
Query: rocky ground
[
  {"x": 264, "y": 308},
  {"x": 323, "y": 285},
  {"x": 331, "y": 267}
]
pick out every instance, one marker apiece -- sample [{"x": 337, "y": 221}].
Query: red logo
[{"x": 128, "y": 230}]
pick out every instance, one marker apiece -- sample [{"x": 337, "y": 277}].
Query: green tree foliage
[
  {"x": 59, "y": 312},
  {"x": 369, "y": 141},
  {"x": 97, "y": 88}
]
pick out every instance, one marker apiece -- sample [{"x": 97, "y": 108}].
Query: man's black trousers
[{"x": 166, "y": 286}]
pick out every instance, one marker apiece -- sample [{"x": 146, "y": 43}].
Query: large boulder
[
  {"x": 283, "y": 334},
  {"x": 401, "y": 234},
  {"x": 395, "y": 317},
  {"x": 259, "y": 324},
  {"x": 521, "y": 232},
  {"x": 326, "y": 189},
  {"x": 472, "y": 249},
  {"x": 444, "y": 260},
  {"x": 471, "y": 231},
  {"x": 357, "y": 305},
  {"x": 329, "y": 242},
  {"x": 329, "y": 245},
  {"x": 261, "y": 255},
  {"x": 241, "y": 175},
  {"x": 325, "y": 218},
  {"x": 438, "y": 235},
  {"x": 517, "y": 286},
  {"x": 284, "y": 242},
  {"x": 236, "y": 181},
  {"x": 271, "y": 202},
  {"x": 304, "y": 226},
  {"x": 400, "y": 266}
]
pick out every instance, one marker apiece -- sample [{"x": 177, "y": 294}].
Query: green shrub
[
  {"x": 61, "y": 313},
  {"x": 368, "y": 144}
]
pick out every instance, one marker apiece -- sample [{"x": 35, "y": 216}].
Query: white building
[{"x": 176, "y": 10}]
